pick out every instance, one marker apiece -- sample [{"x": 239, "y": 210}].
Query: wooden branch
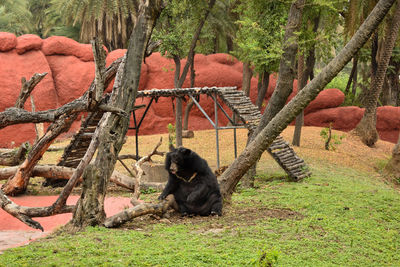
[
  {"x": 27, "y": 88},
  {"x": 13, "y": 157},
  {"x": 139, "y": 171},
  {"x": 61, "y": 172},
  {"x": 36, "y": 126},
  {"x": 100, "y": 64},
  {"x": 115, "y": 110},
  {"x": 139, "y": 210},
  {"x": 12, "y": 116},
  {"x": 19, "y": 182}
]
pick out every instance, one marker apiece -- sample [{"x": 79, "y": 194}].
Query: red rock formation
[
  {"x": 8, "y": 41},
  {"x": 71, "y": 70},
  {"x": 28, "y": 42}
]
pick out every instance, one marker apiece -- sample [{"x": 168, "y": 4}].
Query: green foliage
[
  {"x": 331, "y": 140},
  {"x": 171, "y": 134},
  {"x": 260, "y": 35},
  {"x": 267, "y": 258},
  {"x": 176, "y": 26},
  {"x": 15, "y": 16},
  {"x": 328, "y": 38},
  {"x": 339, "y": 82},
  {"x": 149, "y": 190}
]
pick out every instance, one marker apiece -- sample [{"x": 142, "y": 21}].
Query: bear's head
[{"x": 178, "y": 162}]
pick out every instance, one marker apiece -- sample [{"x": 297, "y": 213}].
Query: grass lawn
[{"x": 344, "y": 215}]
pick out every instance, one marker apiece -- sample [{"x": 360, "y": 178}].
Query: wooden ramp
[
  {"x": 236, "y": 100},
  {"x": 80, "y": 142},
  {"x": 280, "y": 150}
]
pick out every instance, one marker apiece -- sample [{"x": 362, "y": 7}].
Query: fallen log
[
  {"x": 61, "y": 172},
  {"x": 13, "y": 157},
  {"x": 140, "y": 210}
]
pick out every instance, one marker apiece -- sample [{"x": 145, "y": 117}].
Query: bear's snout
[{"x": 173, "y": 168}]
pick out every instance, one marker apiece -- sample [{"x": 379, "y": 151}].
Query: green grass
[{"x": 338, "y": 217}]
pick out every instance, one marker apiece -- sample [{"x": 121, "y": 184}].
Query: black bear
[{"x": 193, "y": 184}]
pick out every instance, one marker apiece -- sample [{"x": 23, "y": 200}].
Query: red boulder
[
  {"x": 28, "y": 42},
  {"x": 8, "y": 41}
]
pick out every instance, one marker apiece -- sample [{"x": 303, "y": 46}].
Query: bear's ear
[
  {"x": 185, "y": 151},
  {"x": 171, "y": 148}
]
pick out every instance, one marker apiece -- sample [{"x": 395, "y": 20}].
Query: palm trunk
[{"x": 366, "y": 128}]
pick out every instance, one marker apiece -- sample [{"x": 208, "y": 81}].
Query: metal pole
[
  {"x": 234, "y": 133},
  {"x": 216, "y": 126}
]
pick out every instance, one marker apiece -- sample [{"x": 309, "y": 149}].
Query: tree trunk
[
  {"x": 366, "y": 128},
  {"x": 355, "y": 80},
  {"x": 300, "y": 84},
  {"x": 306, "y": 73},
  {"x": 263, "y": 89},
  {"x": 392, "y": 169},
  {"x": 247, "y": 75},
  {"x": 90, "y": 207},
  {"x": 14, "y": 157},
  {"x": 190, "y": 103},
  {"x": 352, "y": 74},
  {"x": 254, "y": 150},
  {"x": 285, "y": 80}
]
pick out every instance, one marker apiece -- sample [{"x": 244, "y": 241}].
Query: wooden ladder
[{"x": 280, "y": 150}]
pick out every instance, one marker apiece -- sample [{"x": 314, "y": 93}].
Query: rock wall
[{"x": 70, "y": 69}]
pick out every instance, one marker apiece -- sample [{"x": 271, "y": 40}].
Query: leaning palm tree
[{"x": 110, "y": 20}]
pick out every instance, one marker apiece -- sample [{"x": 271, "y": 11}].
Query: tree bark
[
  {"x": 13, "y": 115},
  {"x": 190, "y": 103},
  {"x": 254, "y": 150},
  {"x": 27, "y": 88},
  {"x": 352, "y": 75},
  {"x": 90, "y": 207},
  {"x": 14, "y": 157},
  {"x": 247, "y": 75},
  {"x": 306, "y": 74},
  {"x": 366, "y": 128},
  {"x": 263, "y": 89}
]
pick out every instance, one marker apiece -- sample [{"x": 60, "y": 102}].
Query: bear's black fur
[{"x": 193, "y": 184}]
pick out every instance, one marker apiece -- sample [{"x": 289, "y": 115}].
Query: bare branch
[
  {"x": 12, "y": 116},
  {"x": 139, "y": 210},
  {"x": 27, "y": 88}
]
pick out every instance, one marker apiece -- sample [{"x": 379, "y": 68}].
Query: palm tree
[
  {"x": 110, "y": 20},
  {"x": 14, "y": 16},
  {"x": 366, "y": 128}
]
